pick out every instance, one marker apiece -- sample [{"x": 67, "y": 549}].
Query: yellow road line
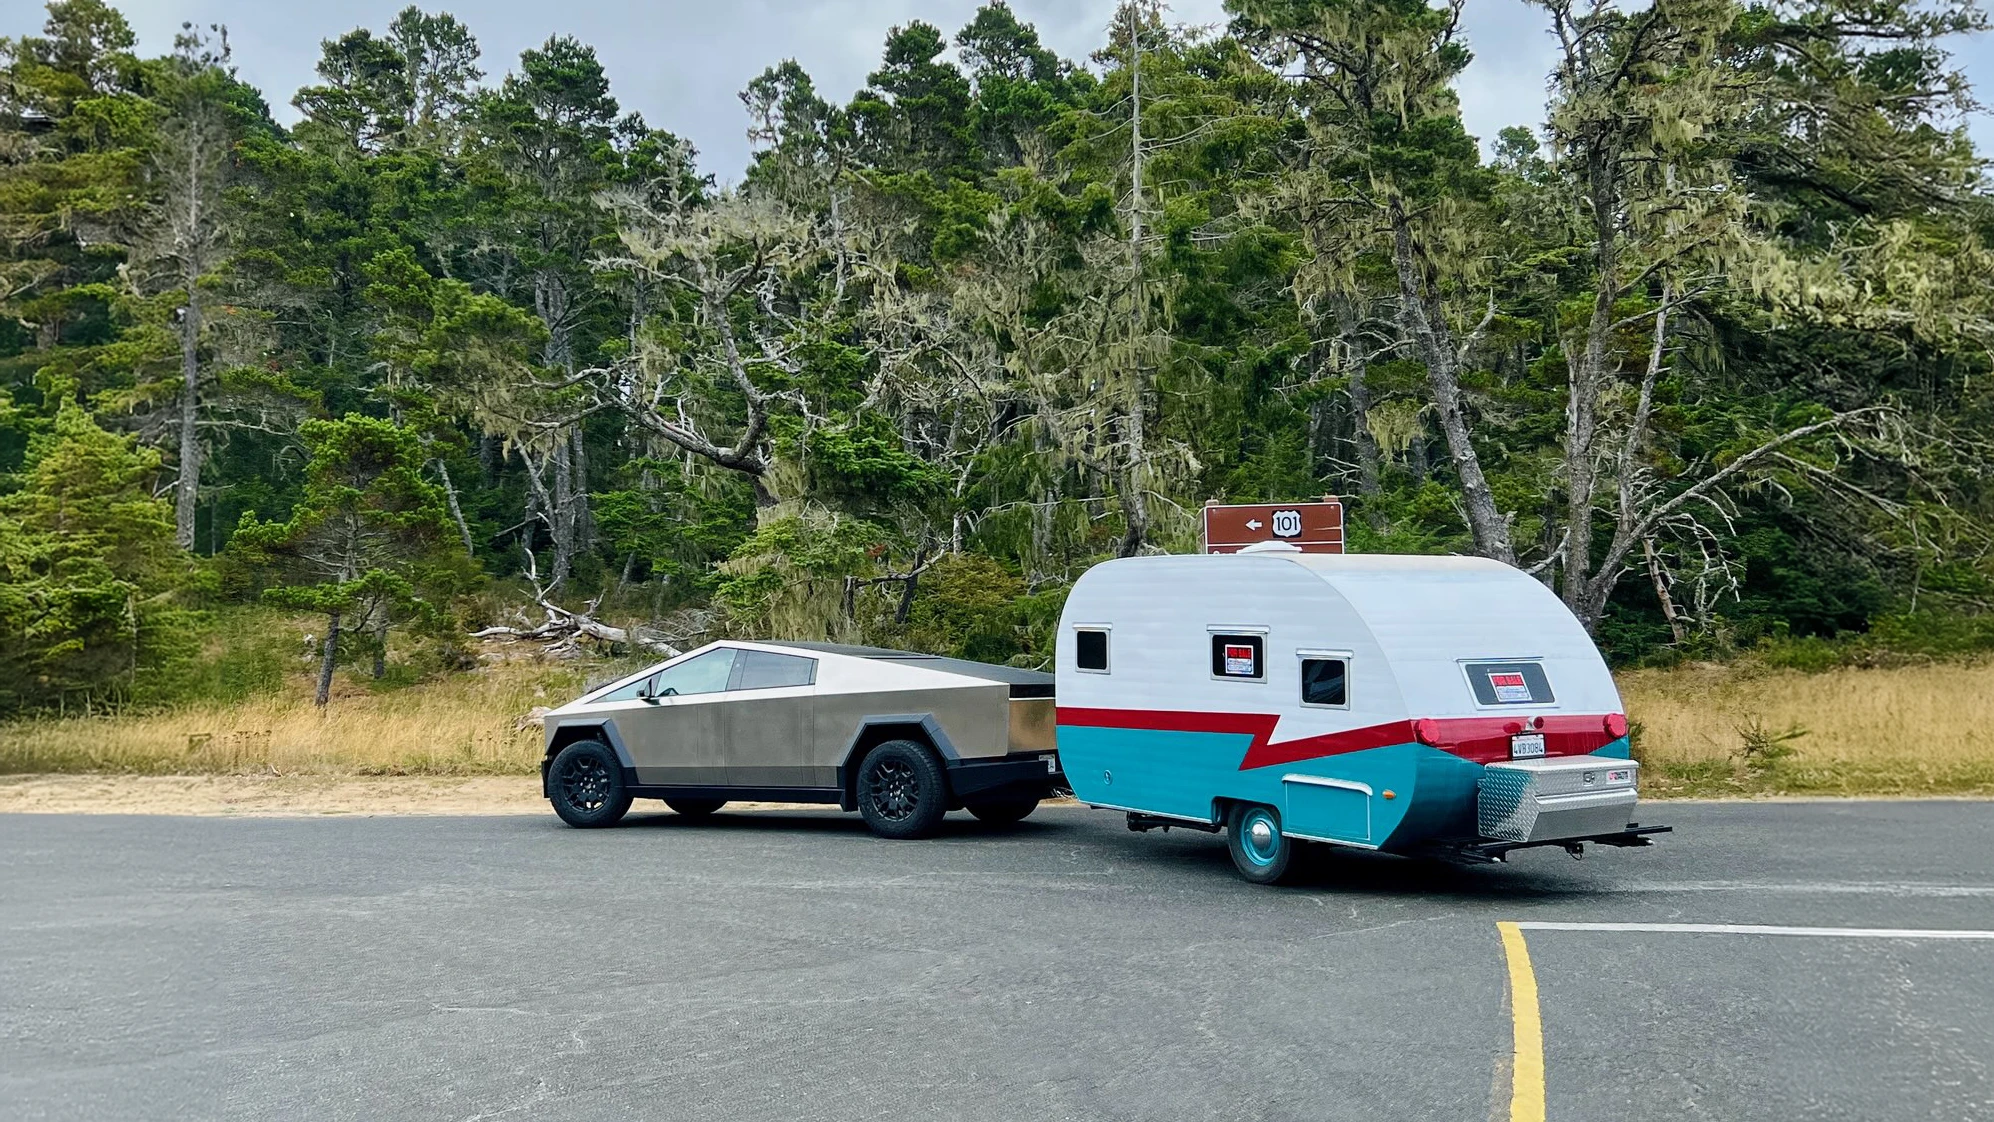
[{"x": 1526, "y": 1078}]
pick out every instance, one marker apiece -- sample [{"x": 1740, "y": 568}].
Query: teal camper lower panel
[{"x": 1398, "y": 796}]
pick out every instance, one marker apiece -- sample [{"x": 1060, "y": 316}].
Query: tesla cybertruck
[{"x": 900, "y": 737}]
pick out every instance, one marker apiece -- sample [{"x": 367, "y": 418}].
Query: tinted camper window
[
  {"x": 1239, "y": 656},
  {"x": 1325, "y": 681},
  {"x": 1090, "y": 649},
  {"x": 1509, "y": 683}
]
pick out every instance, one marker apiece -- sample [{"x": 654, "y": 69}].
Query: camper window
[
  {"x": 1509, "y": 683},
  {"x": 1090, "y": 649},
  {"x": 1238, "y": 657},
  {"x": 1326, "y": 681}
]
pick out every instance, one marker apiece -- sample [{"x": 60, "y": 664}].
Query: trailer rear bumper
[{"x": 1528, "y": 802}]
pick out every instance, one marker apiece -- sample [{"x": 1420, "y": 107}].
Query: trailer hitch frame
[{"x": 1496, "y": 851}]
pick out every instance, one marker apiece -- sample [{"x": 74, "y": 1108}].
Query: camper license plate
[{"x": 1526, "y": 745}]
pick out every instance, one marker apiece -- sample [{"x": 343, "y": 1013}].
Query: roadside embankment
[
  {"x": 1739, "y": 729},
  {"x": 1733, "y": 730}
]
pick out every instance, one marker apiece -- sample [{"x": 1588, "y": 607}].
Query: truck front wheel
[
  {"x": 585, "y": 784},
  {"x": 902, "y": 792},
  {"x": 1260, "y": 851}
]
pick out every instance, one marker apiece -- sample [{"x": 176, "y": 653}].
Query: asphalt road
[{"x": 789, "y": 966}]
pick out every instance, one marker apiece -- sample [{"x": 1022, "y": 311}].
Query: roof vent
[{"x": 1270, "y": 547}]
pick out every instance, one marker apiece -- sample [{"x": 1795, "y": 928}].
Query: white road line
[
  {"x": 1819, "y": 888},
  {"x": 1757, "y": 929}
]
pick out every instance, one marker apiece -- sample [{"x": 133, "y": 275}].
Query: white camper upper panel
[
  {"x": 1165, "y": 615},
  {"x": 1434, "y": 614},
  {"x": 1412, "y": 625}
]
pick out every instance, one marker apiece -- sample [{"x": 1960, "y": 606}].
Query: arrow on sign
[{"x": 1253, "y": 524}]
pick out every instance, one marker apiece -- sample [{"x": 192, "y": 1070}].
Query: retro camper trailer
[{"x": 1379, "y": 702}]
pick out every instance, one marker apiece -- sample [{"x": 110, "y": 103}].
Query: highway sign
[{"x": 1311, "y": 527}]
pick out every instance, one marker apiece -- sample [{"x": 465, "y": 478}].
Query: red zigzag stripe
[{"x": 1479, "y": 739}]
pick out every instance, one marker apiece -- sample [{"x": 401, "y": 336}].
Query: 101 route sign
[{"x": 1310, "y": 527}]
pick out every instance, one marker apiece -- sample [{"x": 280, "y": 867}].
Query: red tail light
[
  {"x": 1427, "y": 731},
  {"x": 1616, "y": 725}
]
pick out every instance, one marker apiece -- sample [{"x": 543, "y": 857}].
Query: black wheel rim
[
  {"x": 893, "y": 789},
  {"x": 585, "y": 783}
]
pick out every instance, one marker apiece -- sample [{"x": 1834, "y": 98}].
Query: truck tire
[
  {"x": 902, "y": 792},
  {"x": 1260, "y": 851},
  {"x": 695, "y": 808},
  {"x": 1003, "y": 812},
  {"x": 585, "y": 784}
]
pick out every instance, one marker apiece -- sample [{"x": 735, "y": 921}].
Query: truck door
[
  {"x": 674, "y": 731},
  {"x": 765, "y": 729}
]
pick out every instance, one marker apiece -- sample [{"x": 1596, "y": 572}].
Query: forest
[{"x": 469, "y": 353}]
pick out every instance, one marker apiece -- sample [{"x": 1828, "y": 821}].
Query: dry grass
[
  {"x": 249, "y": 796},
  {"x": 1703, "y": 730},
  {"x": 462, "y": 725},
  {"x": 1741, "y": 730}
]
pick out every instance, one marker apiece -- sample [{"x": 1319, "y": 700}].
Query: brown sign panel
[{"x": 1310, "y": 527}]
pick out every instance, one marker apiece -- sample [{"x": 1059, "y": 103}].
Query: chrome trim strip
[
  {"x": 1329, "y": 841},
  {"x": 1339, "y": 784}
]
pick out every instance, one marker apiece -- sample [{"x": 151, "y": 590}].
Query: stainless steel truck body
[{"x": 807, "y": 723}]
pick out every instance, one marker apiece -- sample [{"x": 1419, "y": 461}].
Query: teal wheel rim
[{"x": 1259, "y": 837}]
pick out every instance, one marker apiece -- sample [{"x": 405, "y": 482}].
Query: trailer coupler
[
  {"x": 1634, "y": 835},
  {"x": 1143, "y": 823}
]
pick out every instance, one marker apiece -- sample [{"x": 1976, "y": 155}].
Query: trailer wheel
[
  {"x": 902, "y": 791},
  {"x": 1003, "y": 812},
  {"x": 585, "y": 784},
  {"x": 1260, "y": 851},
  {"x": 695, "y": 808}
]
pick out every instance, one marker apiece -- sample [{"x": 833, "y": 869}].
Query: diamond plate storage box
[{"x": 1561, "y": 797}]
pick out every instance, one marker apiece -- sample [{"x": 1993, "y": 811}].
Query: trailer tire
[
  {"x": 902, "y": 792},
  {"x": 1260, "y": 851},
  {"x": 585, "y": 784},
  {"x": 695, "y": 808},
  {"x": 1003, "y": 812}
]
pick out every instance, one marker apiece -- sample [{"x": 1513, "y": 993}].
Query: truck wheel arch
[
  {"x": 920, "y": 728},
  {"x": 603, "y": 729}
]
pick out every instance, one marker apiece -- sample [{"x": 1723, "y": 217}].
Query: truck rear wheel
[
  {"x": 902, "y": 792},
  {"x": 585, "y": 784},
  {"x": 1003, "y": 812},
  {"x": 695, "y": 808},
  {"x": 1260, "y": 851}
]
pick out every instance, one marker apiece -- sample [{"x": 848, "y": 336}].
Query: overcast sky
[{"x": 681, "y": 62}]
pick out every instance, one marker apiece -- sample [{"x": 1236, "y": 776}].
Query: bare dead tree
[
  {"x": 563, "y": 628},
  {"x": 736, "y": 250},
  {"x": 178, "y": 242}
]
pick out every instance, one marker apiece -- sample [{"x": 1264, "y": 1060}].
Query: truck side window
[
  {"x": 1090, "y": 649},
  {"x": 1239, "y": 656},
  {"x": 1325, "y": 681},
  {"x": 707, "y": 673},
  {"x": 766, "y": 670}
]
